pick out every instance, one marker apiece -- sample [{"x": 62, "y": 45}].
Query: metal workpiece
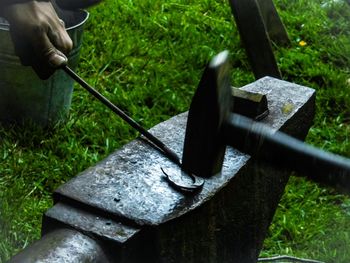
[
  {"x": 62, "y": 245},
  {"x": 125, "y": 202},
  {"x": 250, "y": 104}
]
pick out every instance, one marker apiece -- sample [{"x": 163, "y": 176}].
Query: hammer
[{"x": 211, "y": 126}]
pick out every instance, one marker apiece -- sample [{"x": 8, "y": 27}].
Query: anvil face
[{"x": 129, "y": 184}]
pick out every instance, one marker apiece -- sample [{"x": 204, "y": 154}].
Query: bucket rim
[
  {"x": 5, "y": 25},
  {"x": 87, "y": 14}
]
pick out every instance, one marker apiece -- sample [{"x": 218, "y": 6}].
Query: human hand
[{"x": 39, "y": 36}]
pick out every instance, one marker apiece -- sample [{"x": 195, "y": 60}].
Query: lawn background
[{"x": 147, "y": 56}]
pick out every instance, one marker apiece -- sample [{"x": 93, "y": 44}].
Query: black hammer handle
[{"x": 286, "y": 152}]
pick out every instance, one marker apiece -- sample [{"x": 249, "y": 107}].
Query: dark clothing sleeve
[{"x": 10, "y": 2}]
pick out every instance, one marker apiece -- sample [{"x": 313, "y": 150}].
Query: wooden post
[
  {"x": 273, "y": 24},
  {"x": 256, "y": 40}
]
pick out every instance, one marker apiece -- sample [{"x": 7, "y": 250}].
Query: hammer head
[{"x": 204, "y": 148}]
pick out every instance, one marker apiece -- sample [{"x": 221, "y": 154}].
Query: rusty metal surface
[{"x": 129, "y": 184}]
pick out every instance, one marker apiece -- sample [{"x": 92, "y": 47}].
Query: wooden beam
[
  {"x": 255, "y": 38},
  {"x": 273, "y": 23}
]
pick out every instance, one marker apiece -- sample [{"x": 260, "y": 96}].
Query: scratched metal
[
  {"x": 130, "y": 184},
  {"x": 87, "y": 222}
]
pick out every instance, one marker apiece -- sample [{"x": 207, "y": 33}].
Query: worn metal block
[
  {"x": 250, "y": 104},
  {"x": 125, "y": 202}
]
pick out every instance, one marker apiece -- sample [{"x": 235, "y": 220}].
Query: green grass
[{"x": 148, "y": 58}]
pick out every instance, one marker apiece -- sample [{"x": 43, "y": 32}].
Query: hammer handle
[{"x": 279, "y": 149}]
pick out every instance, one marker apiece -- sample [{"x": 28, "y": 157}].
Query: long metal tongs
[{"x": 195, "y": 183}]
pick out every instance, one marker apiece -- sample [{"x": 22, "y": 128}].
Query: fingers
[
  {"x": 58, "y": 36},
  {"x": 47, "y": 57},
  {"x": 41, "y": 50},
  {"x": 76, "y": 4},
  {"x": 50, "y": 43},
  {"x": 39, "y": 36}
]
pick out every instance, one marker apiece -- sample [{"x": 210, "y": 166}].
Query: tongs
[{"x": 194, "y": 184}]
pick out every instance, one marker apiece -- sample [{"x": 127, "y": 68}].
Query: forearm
[
  {"x": 11, "y": 2},
  {"x": 6, "y": 3}
]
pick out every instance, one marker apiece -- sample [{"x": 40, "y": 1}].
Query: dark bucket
[{"x": 23, "y": 95}]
